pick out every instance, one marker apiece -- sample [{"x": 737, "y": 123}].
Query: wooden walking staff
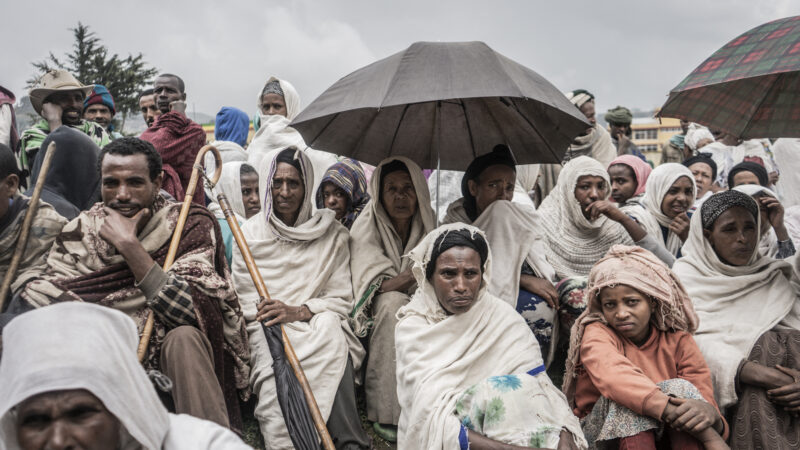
[
  {"x": 22, "y": 241},
  {"x": 176, "y": 235},
  {"x": 261, "y": 287}
]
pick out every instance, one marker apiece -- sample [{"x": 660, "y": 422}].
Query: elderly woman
[
  {"x": 278, "y": 105},
  {"x": 69, "y": 378},
  {"x": 395, "y": 220},
  {"x": 580, "y": 224},
  {"x": 749, "y": 313},
  {"x": 469, "y": 371},
  {"x": 704, "y": 170},
  {"x": 343, "y": 189},
  {"x": 669, "y": 195},
  {"x": 304, "y": 260}
]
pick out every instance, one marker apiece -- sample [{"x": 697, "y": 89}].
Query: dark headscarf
[
  {"x": 73, "y": 182},
  {"x": 287, "y": 156},
  {"x": 723, "y": 201},
  {"x": 757, "y": 169},
  {"x": 500, "y": 155},
  {"x": 704, "y": 158},
  {"x": 457, "y": 238},
  {"x": 348, "y": 176},
  {"x": 8, "y": 164}
]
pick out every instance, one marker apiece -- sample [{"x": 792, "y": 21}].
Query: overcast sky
[{"x": 625, "y": 52}]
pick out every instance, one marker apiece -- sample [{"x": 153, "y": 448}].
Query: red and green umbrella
[{"x": 749, "y": 88}]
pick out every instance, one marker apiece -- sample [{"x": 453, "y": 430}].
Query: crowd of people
[{"x": 597, "y": 303}]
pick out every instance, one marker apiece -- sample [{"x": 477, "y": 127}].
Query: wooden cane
[
  {"x": 176, "y": 235},
  {"x": 261, "y": 288},
  {"x": 22, "y": 241}
]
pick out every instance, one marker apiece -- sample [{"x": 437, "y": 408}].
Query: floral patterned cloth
[
  {"x": 571, "y": 300},
  {"x": 509, "y": 408},
  {"x": 610, "y": 420}
]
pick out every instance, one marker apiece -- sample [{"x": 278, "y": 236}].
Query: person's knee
[
  {"x": 185, "y": 339},
  {"x": 387, "y": 305}
]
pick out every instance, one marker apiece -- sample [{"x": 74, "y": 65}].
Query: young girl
[{"x": 635, "y": 376}]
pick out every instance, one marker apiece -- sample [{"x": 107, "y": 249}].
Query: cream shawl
[
  {"x": 786, "y": 151},
  {"x": 276, "y": 133},
  {"x": 229, "y": 152},
  {"x": 768, "y": 244},
  {"x": 440, "y": 355},
  {"x": 307, "y": 263},
  {"x": 729, "y": 301},
  {"x": 77, "y": 345},
  {"x": 573, "y": 242},
  {"x": 230, "y": 184},
  {"x": 658, "y": 184},
  {"x": 513, "y": 231},
  {"x": 376, "y": 250}
]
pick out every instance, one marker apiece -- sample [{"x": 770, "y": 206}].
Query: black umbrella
[{"x": 441, "y": 105}]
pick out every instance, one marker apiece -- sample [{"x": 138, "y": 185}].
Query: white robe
[{"x": 305, "y": 264}]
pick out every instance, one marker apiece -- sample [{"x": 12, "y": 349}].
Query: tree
[{"x": 90, "y": 63}]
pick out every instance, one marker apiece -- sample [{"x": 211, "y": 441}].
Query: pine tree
[{"x": 90, "y": 63}]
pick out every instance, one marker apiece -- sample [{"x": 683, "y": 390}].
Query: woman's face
[
  {"x": 457, "y": 279},
  {"x": 398, "y": 196},
  {"x": 733, "y": 236},
  {"x": 627, "y": 311},
  {"x": 679, "y": 198},
  {"x": 273, "y": 104},
  {"x": 494, "y": 183},
  {"x": 334, "y": 198},
  {"x": 588, "y": 190},
  {"x": 623, "y": 182},
  {"x": 702, "y": 177},
  {"x": 250, "y": 198}
]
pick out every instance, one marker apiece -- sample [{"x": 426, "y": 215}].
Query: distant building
[{"x": 649, "y": 134}]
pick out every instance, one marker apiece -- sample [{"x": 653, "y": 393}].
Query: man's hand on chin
[{"x": 121, "y": 231}]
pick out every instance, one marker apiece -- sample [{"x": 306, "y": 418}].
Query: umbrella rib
[
  {"x": 397, "y": 128},
  {"x": 469, "y": 127},
  {"x": 547, "y": 144}
]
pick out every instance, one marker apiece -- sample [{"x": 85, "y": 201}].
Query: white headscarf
[
  {"x": 574, "y": 243},
  {"x": 786, "y": 151},
  {"x": 729, "y": 301},
  {"x": 440, "y": 355},
  {"x": 228, "y": 152},
  {"x": 695, "y": 134},
  {"x": 230, "y": 184},
  {"x": 659, "y": 182},
  {"x": 76, "y": 345}
]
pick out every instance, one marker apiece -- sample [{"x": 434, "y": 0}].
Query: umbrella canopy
[
  {"x": 749, "y": 88},
  {"x": 446, "y": 102}
]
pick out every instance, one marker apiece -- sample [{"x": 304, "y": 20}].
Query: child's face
[{"x": 627, "y": 311}]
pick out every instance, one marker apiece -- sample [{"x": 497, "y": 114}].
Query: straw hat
[{"x": 55, "y": 81}]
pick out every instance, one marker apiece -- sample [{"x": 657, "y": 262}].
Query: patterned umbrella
[{"x": 749, "y": 88}]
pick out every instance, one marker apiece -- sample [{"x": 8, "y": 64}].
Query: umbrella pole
[
  {"x": 436, "y": 133},
  {"x": 22, "y": 241},
  {"x": 147, "y": 331},
  {"x": 261, "y": 288}
]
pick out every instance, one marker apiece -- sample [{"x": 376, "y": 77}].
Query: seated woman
[
  {"x": 775, "y": 240},
  {"x": 343, "y": 189},
  {"x": 749, "y": 313},
  {"x": 469, "y": 371},
  {"x": 580, "y": 224},
  {"x": 69, "y": 379},
  {"x": 305, "y": 262},
  {"x": 513, "y": 231},
  {"x": 633, "y": 367},
  {"x": 395, "y": 220},
  {"x": 669, "y": 195},
  {"x": 239, "y": 183},
  {"x": 704, "y": 170}
]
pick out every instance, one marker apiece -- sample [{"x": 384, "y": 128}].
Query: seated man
[
  {"x": 69, "y": 379},
  {"x": 45, "y": 226},
  {"x": 176, "y": 137},
  {"x": 58, "y": 98},
  {"x": 304, "y": 260},
  {"x": 513, "y": 231},
  {"x": 395, "y": 220},
  {"x": 99, "y": 107},
  {"x": 112, "y": 255},
  {"x": 469, "y": 371}
]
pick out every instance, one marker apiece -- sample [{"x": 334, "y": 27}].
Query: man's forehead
[
  {"x": 130, "y": 164},
  {"x": 169, "y": 81}
]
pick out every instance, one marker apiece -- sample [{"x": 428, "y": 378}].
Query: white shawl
[
  {"x": 228, "y": 152},
  {"x": 304, "y": 264},
  {"x": 77, "y": 345},
  {"x": 230, "y": 184},
  {"x": 574, "y": 243},
  {"x": 512, "y": 231},
  {"x": 440, "y": 355},
  {"x": 729, "y": 301},
  {"x": 275, "y": 133},
  {"x": 376, "y": 250},
  {"x": 659, "y": 182},
  {"x": 786, "y": 153}
]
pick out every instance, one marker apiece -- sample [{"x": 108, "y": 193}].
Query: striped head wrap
[
  {"x": 723, "y": 201},
  {"x": 347, "y": 175}
]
